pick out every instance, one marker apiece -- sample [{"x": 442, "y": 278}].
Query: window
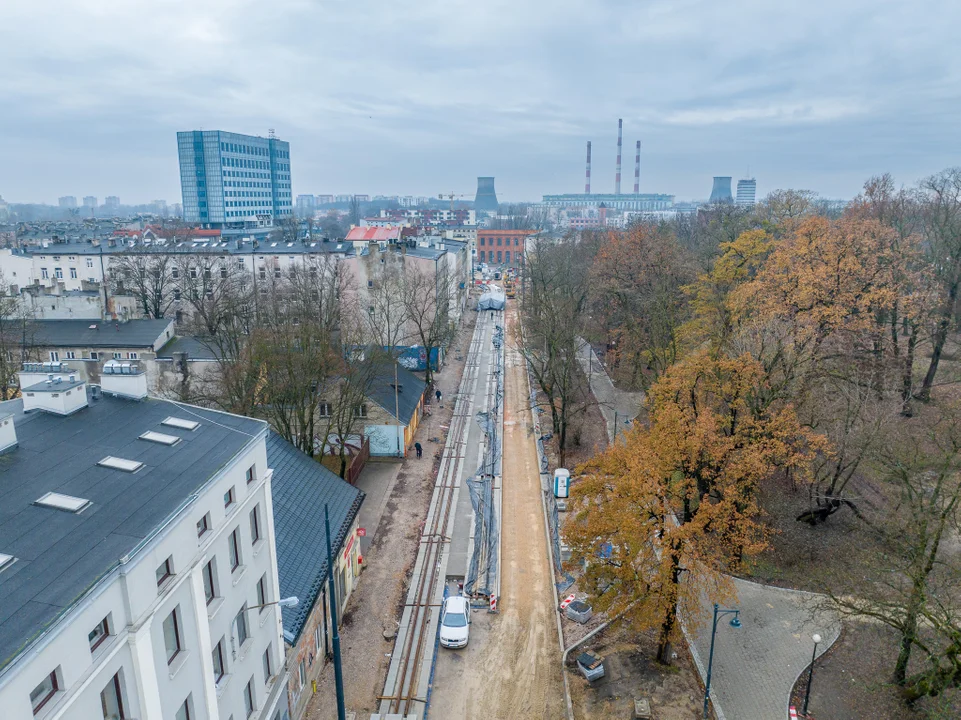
[
  {"x": 183, "y": 713},
  {"x": 229, "y": 498},
  {"x": 516, "y": 242},
  {"x": 255, "y": 525},
  {"x": 263, "y": 273},
  {"x": 171, "y": 630},
  {"x": 71, "y": 355},
  {"x": 73, "y": 273},
  {"x": 193, "y": 273},
  {"x": 276, "y": 272},
  {"x": 251, "y": 474},
  {"x": 233, "y": 549},
  {"x": 111, "y": 699},
  {"x": 249, "y": 698},
  {"x": 370, "y": 283},
  {"x": 242, "y": 633},
  {"x": 317, "y": 638},
  {"x": 54, "y": 356},
  {"x": 165, "y": 571},
  {"x": 100, "y": 633},
  {"x": 360, "y": 411},
  {"x": 223, "y": 272},
  {"x": 94, "y": 356},
  {"x": 176, "y": 293},
  {"x": 302, "y": 673},
  {"x": 132, "y": 356},
  {"x": 118, "y": 356},
  {"x": 268, "y": 671},
  {"x": 44, "y": 692},
  {"x": 499, "y": 241},
  {"x": 218, "y": 658},
  {"x": 59, "y": 273},
  {"x": 210, "y": 582},
  {"x": 203, "y": 525},
  {"x": 262, "y": 592},
  {"x": 175, "y": 273},
  {"x": 324, "y": 410},
  {"x": 44, "y": 274},
  {"x": 89, "y": 262}
]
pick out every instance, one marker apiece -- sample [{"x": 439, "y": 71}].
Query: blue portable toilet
[{"x": 562, "y": 482}]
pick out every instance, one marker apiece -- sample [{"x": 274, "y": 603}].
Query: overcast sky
[{"x": 422, "y": 97}]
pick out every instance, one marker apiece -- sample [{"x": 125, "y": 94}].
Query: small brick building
[{"x": 502, "y": 247}]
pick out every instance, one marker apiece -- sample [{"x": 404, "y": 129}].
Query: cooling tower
[
  {"x": 486, "y": 198},
  {"x": 721, "y": 193}
]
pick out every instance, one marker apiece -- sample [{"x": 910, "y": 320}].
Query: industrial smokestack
[
  {"x": 637, "y": 170},
  {"x": 617, "y": 176},
  {"x": 587, "y": 177}
]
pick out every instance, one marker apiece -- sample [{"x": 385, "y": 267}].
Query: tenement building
[{"x": 138, "y": 571}]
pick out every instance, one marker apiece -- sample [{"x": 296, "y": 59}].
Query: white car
[{"x": 455, "y": 622}]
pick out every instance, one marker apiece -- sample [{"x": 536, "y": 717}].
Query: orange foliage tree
[{"x": 657, "y": 520}]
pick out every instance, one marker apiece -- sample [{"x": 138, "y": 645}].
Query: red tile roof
[{"x": 373, "y": 234}]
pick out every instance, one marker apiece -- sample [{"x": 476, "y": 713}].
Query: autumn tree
[
  {"x": 636, "y": 286},
  {"x": 658, "y": 520}
]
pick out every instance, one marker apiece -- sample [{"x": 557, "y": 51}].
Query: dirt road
[{"x": 511, "y": 669}]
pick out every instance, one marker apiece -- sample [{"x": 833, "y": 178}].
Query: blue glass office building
[{"x": 234, "y": 182}]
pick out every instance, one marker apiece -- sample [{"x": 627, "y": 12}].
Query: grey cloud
[{"x": 422, "y": 97}]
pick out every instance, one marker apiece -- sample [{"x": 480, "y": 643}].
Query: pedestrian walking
[
  {"x": 419, "y": 449},
  {"x": 437, "y": 394}
]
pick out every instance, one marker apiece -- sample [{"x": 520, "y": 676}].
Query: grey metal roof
[
  {"x": 95, "y": 333},
  {"x": 411, "y": 390},
  {"x": 195, "y": 348},
  {"x": 301, "y": 487},
  {"x": 60, "y": 555},
  {"x": 214, "y": 247}
]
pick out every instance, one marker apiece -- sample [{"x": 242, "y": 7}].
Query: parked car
[{"x": 455, "y": 622}]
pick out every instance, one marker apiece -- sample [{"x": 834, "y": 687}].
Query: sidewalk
[{"x": 755, "y": 666}]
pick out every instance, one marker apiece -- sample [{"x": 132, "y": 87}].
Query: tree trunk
[
  {"x": 667, "y": 627},
  {"x": 940, "y": 337},
  {"x": 907, "y": 373}
]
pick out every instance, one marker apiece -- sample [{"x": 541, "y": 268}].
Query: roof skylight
[
  {"x": 181, "y": 423},
  {"x": 162, "y": 438},
  {"x": 115, "y": 463},
  {"x": 68, "y": 503},
  {"x": 6, "y": 561}
]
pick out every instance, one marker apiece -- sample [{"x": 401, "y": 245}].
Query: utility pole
[
  {"x": 397, "y": 407},
  {"x": 338, "y": 670}
]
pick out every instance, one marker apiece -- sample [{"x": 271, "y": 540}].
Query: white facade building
[
  {"x": 746, "y": 191},
  {"x": 136, "y": 545}
]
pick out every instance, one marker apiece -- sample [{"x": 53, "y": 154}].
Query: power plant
[
  {"x": 635, "y": 201},
  {"x": 486, "y": 198},
  {"x": 721, "y": 192}
]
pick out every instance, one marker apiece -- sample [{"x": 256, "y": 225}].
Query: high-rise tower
[{"x": 746, "y": 191}]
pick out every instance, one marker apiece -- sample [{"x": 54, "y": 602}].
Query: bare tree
[
  {"x": 426, "y": 299},
  {"x": 387, "y": 316},
  {"x": 147, "y": 275},
  {"x": 16, "y": 340}
]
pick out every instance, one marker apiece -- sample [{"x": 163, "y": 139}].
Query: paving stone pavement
[{"x": 755, "y": 666}]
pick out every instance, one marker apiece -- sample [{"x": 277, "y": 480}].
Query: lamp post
[
  {"x": 807, "y": 693},
  {"x": 735, "y": 623},
  {"x": 338, "y": 671},
  {"x": 286, "y": 602}
]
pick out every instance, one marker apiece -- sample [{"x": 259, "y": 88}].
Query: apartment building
[{"x": 138, "y": 570}]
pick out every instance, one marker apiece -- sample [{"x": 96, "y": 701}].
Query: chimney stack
[
  {"x": 587, "y": 177},
  {"x": 617, "y": 176},
  {"x": 637, "y": 170}
]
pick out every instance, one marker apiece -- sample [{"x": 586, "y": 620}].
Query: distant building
[
  {"x": 641, "y": 201},
  {"x": 721, "y": 192},
  {"x": 306, "y": 204},
  {"x": 746, "y": 191},
  {"x": 159, "y": 206},
  {"x": 362, "y": 198},
  {"x": 234, "y": 182},
  {"x": 177, "y": 210},
  {"x": 343, "y": 198},
  {"x": 486, "y": 197},
  {"x": 90, "y": 201},
  {"x": 67, "y": 201},
  {"x": 112, "y": 202},
  {"x": 324, "y": 199}
]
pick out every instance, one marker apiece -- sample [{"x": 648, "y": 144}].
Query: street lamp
[
  {"x": 292, "y": 601},
  {"x": 807, "y": 693},
  {"x": 735, "y": 623}
]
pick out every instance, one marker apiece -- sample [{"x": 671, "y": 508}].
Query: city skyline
[{"x": 805, "y": 105}]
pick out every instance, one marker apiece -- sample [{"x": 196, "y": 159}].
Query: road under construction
[{"x": 459, "y": 545}]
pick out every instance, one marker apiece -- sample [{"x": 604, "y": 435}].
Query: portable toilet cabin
[{"x": 562, "y": 482}]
